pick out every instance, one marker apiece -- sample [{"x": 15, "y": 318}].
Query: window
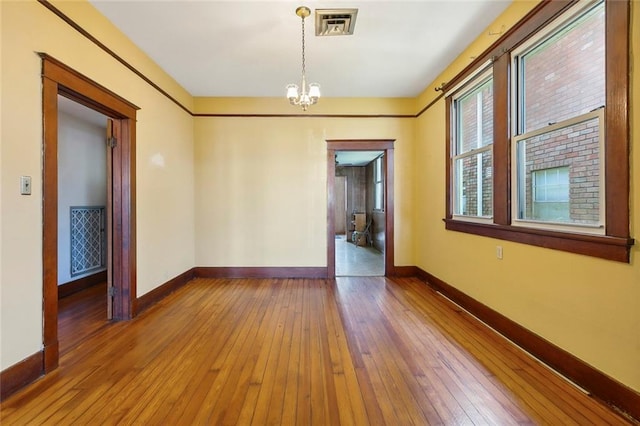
[
  {"x": 378, "y": 184},
  {"x": 555, "y": 170},
  {"x": 472, "y": 147},
  {"x": 550, "y": 195},
  {"x": 559, "y": 78}
]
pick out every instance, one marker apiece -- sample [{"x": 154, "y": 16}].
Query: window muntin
[
  {"x": 551, "y": 185},
  {"x": 560, "y": 76},
  {"x": 550, "y": 197},
  {"x": 472, "y": 158}
]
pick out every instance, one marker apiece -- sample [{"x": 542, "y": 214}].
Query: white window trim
[{"x": 596, "y": 229}]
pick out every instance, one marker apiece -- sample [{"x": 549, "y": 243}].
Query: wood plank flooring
[
  {"x": 354, "y": 351},
  {"x": 80, "y": 315}
]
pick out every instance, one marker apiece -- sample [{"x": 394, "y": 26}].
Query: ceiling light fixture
[{"x": 307, "y": 96}]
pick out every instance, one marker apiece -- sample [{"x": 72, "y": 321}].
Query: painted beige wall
[
  {"x": 587, "y": 306},
  {"x": 261, "y": 196},
  {"x": 165, "y": 180}
]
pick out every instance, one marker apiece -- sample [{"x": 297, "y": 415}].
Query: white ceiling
[
  {"x": 82, "y": 112},
  {"x": 253, "y": 48},
  {"x": 356, "y": 158}
]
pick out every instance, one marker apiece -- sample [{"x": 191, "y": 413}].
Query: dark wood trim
[
  {"x": 309, "y": 115},
  {"x": 75, "y": 86},
  {"x": 260, "y": 272},
  {"x": 502, "y": 141},
  {"x": 617, "y": 243},
  {"x": 110, "y": 52},
  {"x": 80, "y": 284},
  {"x": 147, "y": 80},
  {"x": 584, "y": 375},
  {"x": 389, "y": 203},
  {"x": 20, "y": 375},
  {"x": 542, "y": 13},
  {"x": 404, "y": 272},
  {"x": 385, "y": 145},
  {"x": 617, "y": 136},
  {"x": 331, "y": 220},
  {"x": 360, "y": 144},
  {"x": 50, "y": 223},
  {"x": 604, "y": 247},
  {"x": 157, "y": 294},
  {"x": 57, "y": 79},
  {"x": 429, "y": 105},
  {"x": 448, "y": 162},
  {"x": 124, "y": 221}
]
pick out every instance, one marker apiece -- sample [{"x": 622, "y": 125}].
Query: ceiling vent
[{"x": 333, "y": 22}]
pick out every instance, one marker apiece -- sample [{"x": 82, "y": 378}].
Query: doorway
[
  {"x": 58, "y": 79},
  {"x": 382, "y": 149},
  {"x": 83, "y": 215},
  {"x": 360, "y": 249}
]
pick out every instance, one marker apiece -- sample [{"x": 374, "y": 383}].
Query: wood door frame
[
  {"x": 385, "y": 145},
  {"x": 58, "y": 79}
]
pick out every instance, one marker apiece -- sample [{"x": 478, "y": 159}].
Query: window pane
[
  {"x": 474, "y": 191},
  {"x": 559, "y": 175},
  {"x": 474, "y": 118},
  {"x": 379, "y": 196},
  {"x": 377, "y": 169},
  {"x": 565, "y": 76}
]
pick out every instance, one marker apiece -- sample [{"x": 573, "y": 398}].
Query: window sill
[{"x": 604, "y": 247}]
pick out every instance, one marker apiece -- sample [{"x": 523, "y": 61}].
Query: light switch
[{"x": 25, "y": 185}]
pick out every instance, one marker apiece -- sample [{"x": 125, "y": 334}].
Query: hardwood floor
[
  {"x": 366, "y": 350},
  {"x": 80, "y": 315}
]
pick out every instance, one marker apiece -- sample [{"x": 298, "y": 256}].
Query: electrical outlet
[
  {"x": 499, "y": 252},
  {"x": 25, "y": 185}
]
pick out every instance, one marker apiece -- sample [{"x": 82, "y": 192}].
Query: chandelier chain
[
  {"x": 303, "y": 62},
  {"x": 303, "y": 95}
]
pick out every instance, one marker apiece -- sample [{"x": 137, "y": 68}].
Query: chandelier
[{"x": 307, "y": 96}]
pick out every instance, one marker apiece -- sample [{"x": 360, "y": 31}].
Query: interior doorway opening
[
  {"x": 359, "y": 213},
  {"x": 58, "y": 79},
  {"x": 84, "y": 212},
  {"x": 368, "y": 219}
]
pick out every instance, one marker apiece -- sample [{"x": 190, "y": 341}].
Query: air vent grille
[{"x": 332, "y": 22}]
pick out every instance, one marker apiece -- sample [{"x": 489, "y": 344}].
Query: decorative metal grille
[{"x": 87, "y": 239}]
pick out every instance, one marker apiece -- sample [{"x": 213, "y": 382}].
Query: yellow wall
[
  {"x": 250, "y": 191},
  {"x": 587, "y": 306},
  {"x": 261, "y": 196},
  {"x": 165, "y": 177}
]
